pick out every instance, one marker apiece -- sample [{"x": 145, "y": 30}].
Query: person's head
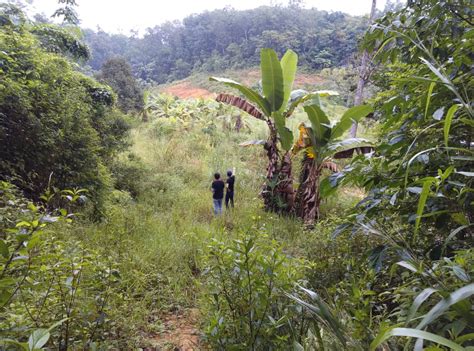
[
  {"x": 217, "y": 175},
  {"x": 229, "y": 173}
]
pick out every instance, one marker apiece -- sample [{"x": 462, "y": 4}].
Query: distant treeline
[{"x": 227, "y": 38}]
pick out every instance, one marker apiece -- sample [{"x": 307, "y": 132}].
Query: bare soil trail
[
  {"x": 191, "y": 88},
  {"x": 181, "y": 332}
]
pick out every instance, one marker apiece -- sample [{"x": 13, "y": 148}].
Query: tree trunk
[
  {"x": 363, "y": 73},
  {"x": 285, "y": 190},
  {"x": 278, "y": 194},
  {"x": 269, "y": 187},
  {"x": 308, "y": 198}
]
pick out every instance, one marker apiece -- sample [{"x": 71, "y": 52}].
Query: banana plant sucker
[{"x": 321, "y": 142}]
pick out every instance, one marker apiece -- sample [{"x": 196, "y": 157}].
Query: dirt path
[{"x": 181, "y": 332}]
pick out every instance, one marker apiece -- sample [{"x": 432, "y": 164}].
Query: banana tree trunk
[
  {"x": 285, "y": 189},
  {"x": 277, "y": 192},
  {"x": 308, "y": 198}
]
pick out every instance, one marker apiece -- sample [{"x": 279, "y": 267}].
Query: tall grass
[{"x": 161, "y": 237}]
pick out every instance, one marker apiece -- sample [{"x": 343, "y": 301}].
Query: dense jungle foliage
[
  {"x": 228, "y": 38},
  {"x": 107, "y": 237}
]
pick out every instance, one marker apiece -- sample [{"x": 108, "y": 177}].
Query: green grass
[{"x": 161, "y": 238}]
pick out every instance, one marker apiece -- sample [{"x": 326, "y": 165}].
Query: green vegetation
[
  {"x": 107, "y": 237},
  {"x": 117, "y": 73},
  {"x": 58, "y": 127},
  {"x": 217, "y": 40}
]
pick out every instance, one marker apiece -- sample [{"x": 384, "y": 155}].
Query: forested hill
[{"x": 227, "y": 38}]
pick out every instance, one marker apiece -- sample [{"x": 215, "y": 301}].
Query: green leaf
[
  {"x": 444, "y": 304},
  {"x": 421, "y": 204},
  {"x": 325, "y": 188},
  {"x": 438, "y": 73},
  {"x": 464, "y": 338},
  {"x": 272, "y": 78},
  {"x": 289, "y": 62},
  {"x": 38, "y": 339},
  {"x": 447, "y": 122},
  {"x": 297, "y": 346},
  {"x": 408, "y": 266},
  {"x": 422, "y": 297},
  {"x": 4, "y": 249},
  {"x": 250, "y": 94},
  {"x": 454, "y": 233},
  {"x": 384, "y": 43},
  {"x": 354, "y": 114},
  {"x": 22, "y": 345},
  {"x": 345, "y": 145},
  {"x": 428, "y": 97},
  {"x": 319, "y": 122},
  {"x": 301, "y": 96},
  {"x": 414, "y": 333},
  {"x": 320, "y": 311},
  {"x": 286, "y": 136}
]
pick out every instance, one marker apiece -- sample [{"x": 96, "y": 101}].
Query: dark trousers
[{"x": 229, "y": 196}]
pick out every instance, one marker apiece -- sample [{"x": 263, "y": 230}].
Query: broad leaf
[
  {"x": 319, "y": 123},
  {"x": 286, "y": 136},
  {"x": 289, "y": 62},
  {"x": 272, "y": 78},
  {"x": 354, "y": 114},
  {"x": 425, "y": 294},
  {"x": 413, "y": 333},
  {"x": 455, "y": 297},
  {"x": 300, "y": 96},
  {"x": 250, "y": 94},
  {"x": 38, "y": 339},
  {"x": 345, "y": 145}
]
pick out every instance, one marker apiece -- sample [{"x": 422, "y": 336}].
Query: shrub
[
  {"x": 129, "y": 174},
  {"x": 247, "y": 281},
  {"x": 56, "y": 125},
  {"x": 48, "y": 282}
]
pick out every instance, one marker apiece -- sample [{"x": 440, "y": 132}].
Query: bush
[
  {"x": 57, "y": 126},
  {"x": 248, "y": 307},
  {"x": 46, "y": 281},
  {"x": 129, "y": 174}
]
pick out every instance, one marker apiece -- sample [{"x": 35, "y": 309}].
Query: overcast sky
[{"x": 121, "y": 16}]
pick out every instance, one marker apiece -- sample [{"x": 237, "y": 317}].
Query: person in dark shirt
[
  {"x": 217, "y": 189},
  {"x": 229, "y": 194}
]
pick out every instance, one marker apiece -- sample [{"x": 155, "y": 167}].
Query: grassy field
[{"x": 161, "y": 238}]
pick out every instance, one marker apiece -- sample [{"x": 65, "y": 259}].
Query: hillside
[
  {"x": 217, "y": 40},
  {"x": 199, "y": 86}
]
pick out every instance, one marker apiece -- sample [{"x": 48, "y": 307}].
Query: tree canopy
[{"x": 228, "y": 38}]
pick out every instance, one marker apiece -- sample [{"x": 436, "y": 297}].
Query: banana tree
[
  {"x": 271, "y": 105},
  {"x": 321, "y": 142}
]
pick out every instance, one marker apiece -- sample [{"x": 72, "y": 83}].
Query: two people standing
[{"x": 217, "y": 188}]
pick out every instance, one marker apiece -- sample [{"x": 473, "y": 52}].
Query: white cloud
[{"x": 125, "y": 15}]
